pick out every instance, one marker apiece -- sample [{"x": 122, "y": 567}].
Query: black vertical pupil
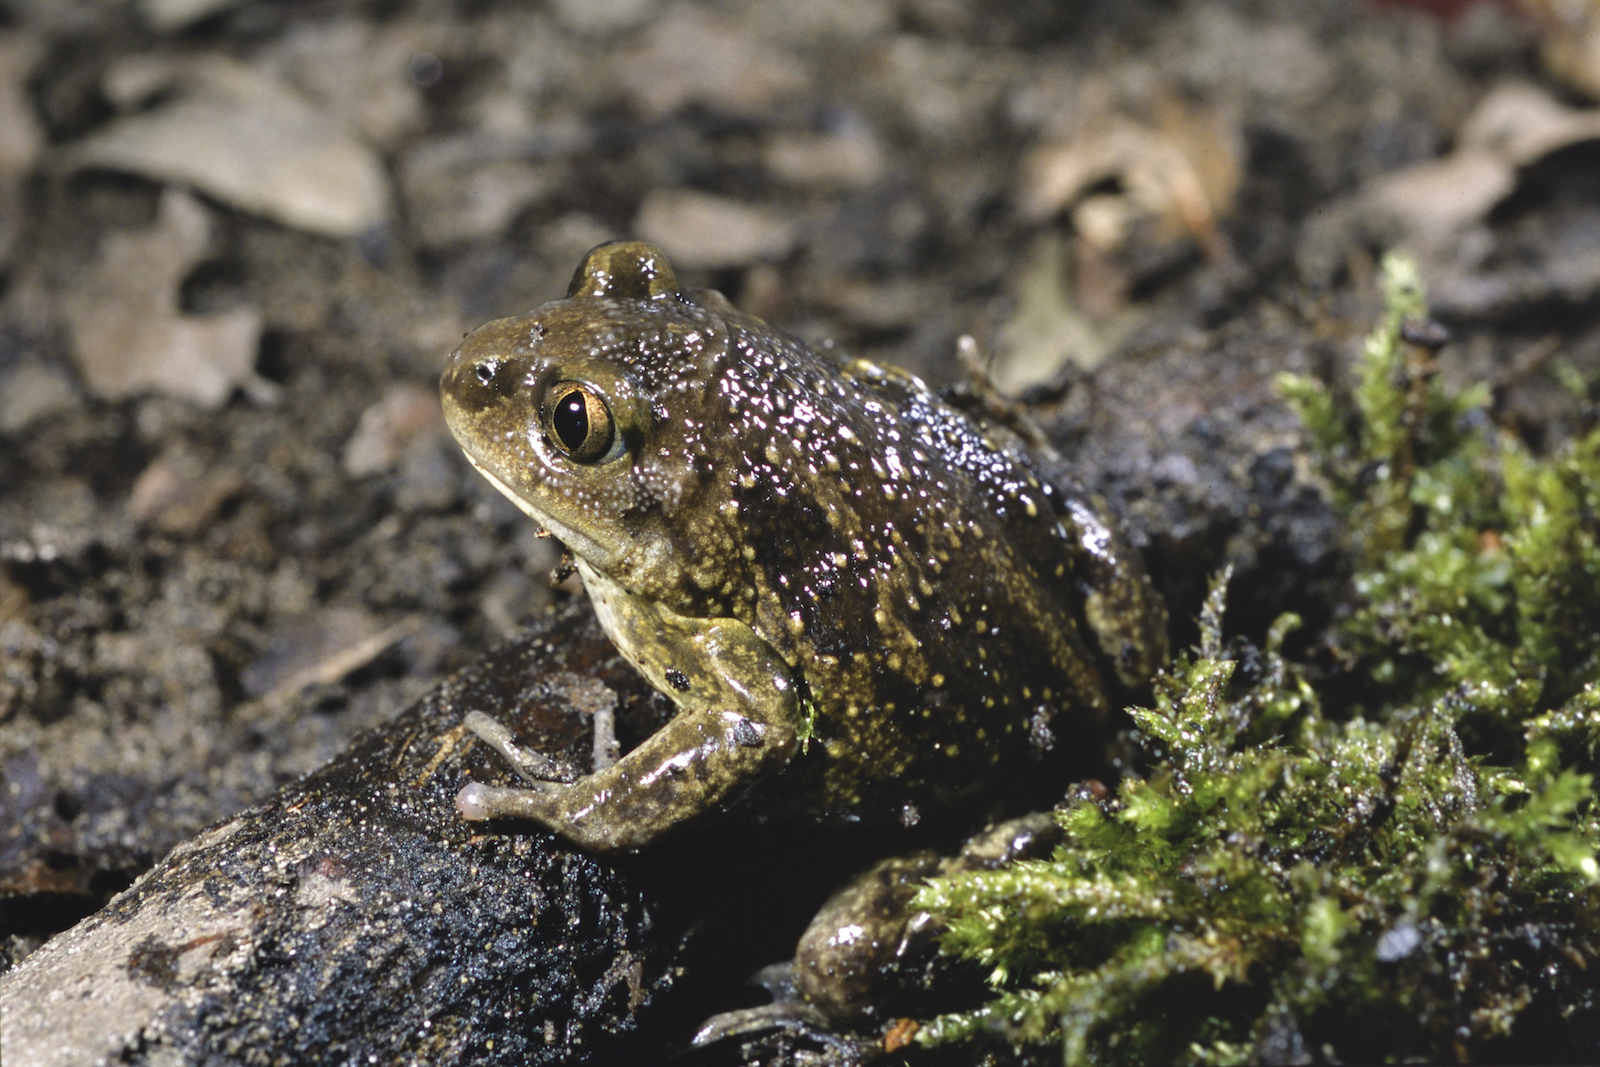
[{"x": 571, "y": 420}]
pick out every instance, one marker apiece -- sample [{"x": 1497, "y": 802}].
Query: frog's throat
[
  {"x": 652, "y": 636},
  {"x": 582, "y": 545}
]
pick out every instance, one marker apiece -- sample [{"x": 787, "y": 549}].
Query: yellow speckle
[
  {"x": 938, "y": 680},
  {"x": 981, "y": 626}
]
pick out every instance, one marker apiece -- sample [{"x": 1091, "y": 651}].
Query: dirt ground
[{"x": 237, "y": 238}]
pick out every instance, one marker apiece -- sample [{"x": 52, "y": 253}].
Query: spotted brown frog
[{"x": 863, "y": 600}]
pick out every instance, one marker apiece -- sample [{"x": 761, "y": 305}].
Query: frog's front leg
[{"x": 737, "y": 722}]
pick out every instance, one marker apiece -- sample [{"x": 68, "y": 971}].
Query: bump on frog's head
[{"x": 628, "y": 270}]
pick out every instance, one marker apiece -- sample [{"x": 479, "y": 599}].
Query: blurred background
[{"x": 237, "y": 238}]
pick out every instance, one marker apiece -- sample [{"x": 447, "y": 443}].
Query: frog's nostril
[{"x": 486, "y": 371}]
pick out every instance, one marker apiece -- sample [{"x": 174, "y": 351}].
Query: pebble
[
  {"x": 849, "y": 159},
  {"x": 599, "y": 17},
  {"x": 1513, "y": 126}
]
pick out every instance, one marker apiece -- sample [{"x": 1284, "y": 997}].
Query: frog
[{"x": 864, "y": 600}]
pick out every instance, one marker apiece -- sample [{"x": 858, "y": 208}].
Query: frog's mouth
[{"x": 581, "y": 545}]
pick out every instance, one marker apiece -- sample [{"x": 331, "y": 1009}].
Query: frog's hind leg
[{"x": 737, "y": 723}]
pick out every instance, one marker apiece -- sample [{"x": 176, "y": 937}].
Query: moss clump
[{"x": 1406, "y": 870}]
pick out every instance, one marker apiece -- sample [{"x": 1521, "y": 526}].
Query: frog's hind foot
[
  {"x": 786, "y": 1012},
  {"x": 531, "y": 766},
  {"x": 981, "y": 394},
  {"x": 478, "y": 802}
]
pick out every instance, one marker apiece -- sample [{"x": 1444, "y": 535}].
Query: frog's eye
[{"x": 579, "y": 422}]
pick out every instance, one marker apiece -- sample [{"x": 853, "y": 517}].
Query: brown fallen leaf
[
  {"x": 1183, "y": 172},
  {"x": 1515, "y": 125},
  {"x": 406, "y": 413},
  {"x": 174, "y": 495},
  {"x": 241, "y": 135},
  {"x": 128, "y": 334}
]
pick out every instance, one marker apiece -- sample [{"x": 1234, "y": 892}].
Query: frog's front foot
[
  {"x": 738, "y": 724},
  {"x": 695, "y": 762}
]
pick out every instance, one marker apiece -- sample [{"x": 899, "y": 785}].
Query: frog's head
[{"x": 559, "y": 408}]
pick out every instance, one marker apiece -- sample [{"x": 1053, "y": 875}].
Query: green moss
[{"x": 1409, "y": 872}]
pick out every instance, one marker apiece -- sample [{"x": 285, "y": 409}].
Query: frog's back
[{"x": 910, "y": 563}]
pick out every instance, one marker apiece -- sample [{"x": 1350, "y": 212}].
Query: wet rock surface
[
  {"x": 220, "y": 569},
  {"x": 355, "y": 916}
]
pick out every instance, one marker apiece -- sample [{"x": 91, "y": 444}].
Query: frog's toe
[{"x": 478, "y": 802}]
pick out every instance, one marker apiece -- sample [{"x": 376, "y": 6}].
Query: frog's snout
[{"x": 477, "y": 376}]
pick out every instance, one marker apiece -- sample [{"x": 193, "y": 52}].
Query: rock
[
  {"x": 247, "y": 139},
  {"x": 1513, "y": 126},
  {"x": 1437, "y": 200},
  {"x": 128, "y": 335},
  {"x": 1441, "y": 212},
  {"x": 361, "y": 72},
  {"x": 704, "y": 232},
  {"x": 1521, "y": 123}
]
